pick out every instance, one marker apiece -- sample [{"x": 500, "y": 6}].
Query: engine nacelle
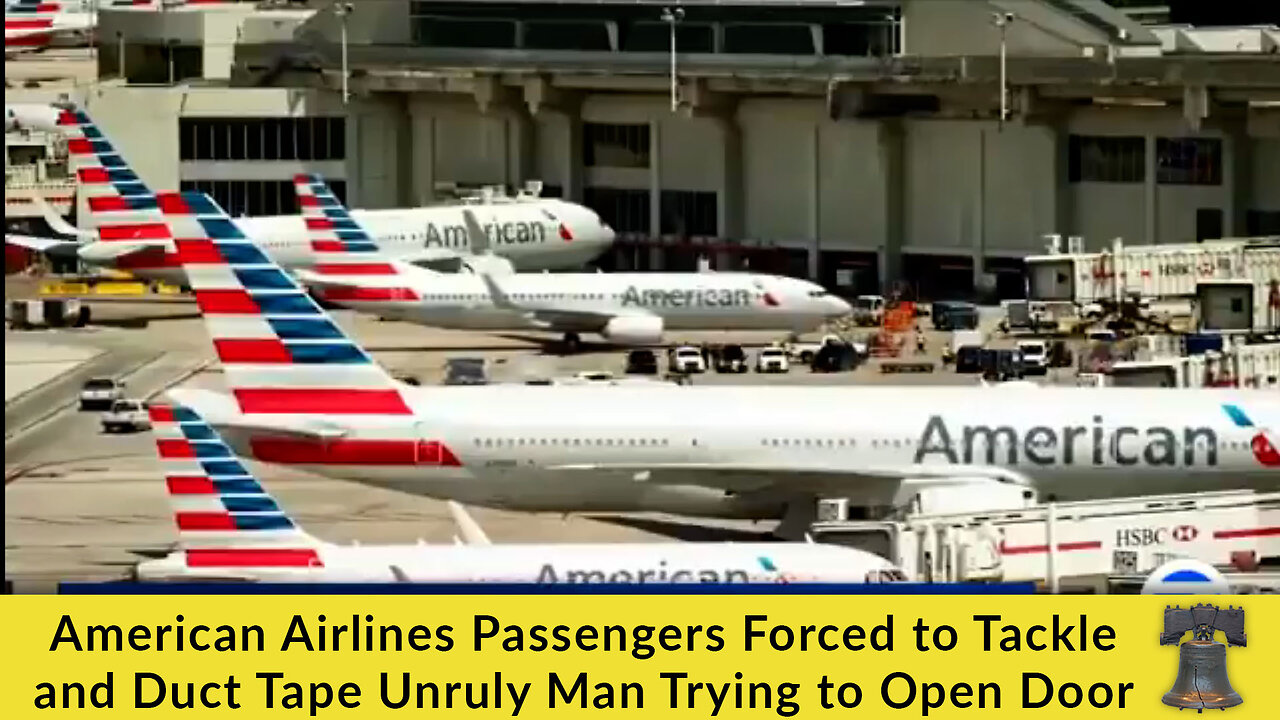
[{"x": 633, "y": 330}]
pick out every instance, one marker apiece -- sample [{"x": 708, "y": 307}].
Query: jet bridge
[{"x": 1079, "y": 546}]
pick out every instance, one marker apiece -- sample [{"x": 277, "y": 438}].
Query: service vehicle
[
  {"x": 954, "y": 315},
  {"x": 100, "y": 393},
  {"x": 465, "y": 371},
  {"x": 126, "y": 416},
  {"x": 868, "y": 310},
  {"x": 1035, "y": 356},
  {"x": 731, "y": 359},
  {"x": 772, "y": 360},
  {"x": 837, "y": 357},
  {"x": 688, "y": 359},
  {"x": 959, "y": 535},
  {"x": 642, "y": 362}
]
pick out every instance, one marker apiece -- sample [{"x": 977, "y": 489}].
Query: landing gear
[
  {"x": 796, "y": 519},
  {"x": 572, "y": 343}
]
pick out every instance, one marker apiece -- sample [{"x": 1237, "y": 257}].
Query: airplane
[
  {"x": 231, "y": 529},
  {"x": 624, "y": 308},
  {"x": 31, "y": 25},
  {"x": 530, "y": 233},
  {"x": 303, "y": 394}
]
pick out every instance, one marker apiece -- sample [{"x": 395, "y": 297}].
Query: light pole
[
  {"x": 342, "y": 10},
  {"x": 671, "y": 17},
  {"x": 1002, "y": 22}
]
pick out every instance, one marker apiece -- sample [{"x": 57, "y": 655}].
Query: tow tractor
[{"x": 1090, "y": 546}]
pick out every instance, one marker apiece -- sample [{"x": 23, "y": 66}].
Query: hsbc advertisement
[{"x": 1136, "y": 537}]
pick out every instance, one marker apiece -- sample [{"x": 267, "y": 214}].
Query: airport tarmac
[{"x": 83, "y": 505}]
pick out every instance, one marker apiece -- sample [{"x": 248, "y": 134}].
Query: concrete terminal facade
[{"x": 856, "y": 145}]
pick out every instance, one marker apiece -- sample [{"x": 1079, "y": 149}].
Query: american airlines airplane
[
  {"x": 625, "y": 308},
  {"x": 531, "y": 233},
  {"x": 302, "y": 393},
  {"x": 31, "y": 25},
  {"x": 231, "y": 529}
]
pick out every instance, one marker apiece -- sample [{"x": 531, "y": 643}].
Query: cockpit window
[
  {"x": 818, "y": 293},
  {"x": 549, "y": 216}
]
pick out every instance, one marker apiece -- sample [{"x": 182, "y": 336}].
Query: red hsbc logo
[{"x": 1185, "y": 533}]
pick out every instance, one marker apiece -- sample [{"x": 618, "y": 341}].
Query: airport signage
[
  {"x": 516, "y": 232},
  {"x": 695, "y": 297},
  {"x": 1069, "y": 445}
]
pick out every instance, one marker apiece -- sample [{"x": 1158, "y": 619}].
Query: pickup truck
[
  {"x": 806, "y": 352},
  {"x": 126, "y": 415},
  {"x": 1035, "y": 356},
  {"x": 687, "y": 359}
]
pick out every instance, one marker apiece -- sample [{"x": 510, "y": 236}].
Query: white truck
[
  {"x": 688, "y": 359},
  {"x": 772, "y": 360},
  {"x": 1088, "y": 545},
  {"x": 868, "y": 310},
  {"x": 1035, "y": 356},
  {"x": 126, "y": 415}
]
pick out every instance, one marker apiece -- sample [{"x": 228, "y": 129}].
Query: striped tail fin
[
  {"x": 113, "y": 190},
  {"x": 349, "y": 265},
  {"x": 280, "y": 352},
  {"x": 223, "y": 515}
]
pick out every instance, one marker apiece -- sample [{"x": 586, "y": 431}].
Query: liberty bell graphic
[{"x": 1202, "y": 662}]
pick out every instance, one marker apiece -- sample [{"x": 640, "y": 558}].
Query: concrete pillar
[
  {"x": 521, "y": 148},
  {"x": 815, "y": 200},
  {"x": 1237, "y": 173},
  {"x": 402, "y": 122},
  {"x": 893, "y": 163},
  {"x": 424, "y": 158},
  {"x": 572, "y": 169},
  {"x": 730, "y": 206}
]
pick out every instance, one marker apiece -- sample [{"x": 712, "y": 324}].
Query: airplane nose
[{"x": 838, "y": 307}]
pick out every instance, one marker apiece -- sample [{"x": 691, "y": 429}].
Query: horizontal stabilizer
[
  {"x": 58, "y": 224},
  {"x": 472, "y": 533},
  {"x": 41, "y": 244}
]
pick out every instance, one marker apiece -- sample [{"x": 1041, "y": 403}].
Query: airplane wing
[
  {"x": 884, "y": 483},
  {"x": 61, "y": 28},
  {"x": 549, "y": 318},
  {"x": 41, "y": 244}
]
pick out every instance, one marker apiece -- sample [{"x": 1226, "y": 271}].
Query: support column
[
  {"x": 815, "y": 201},
  {"x": 979, "y": 251},
  {"x": 1237, "y": 173},
  {"x": 522, "y": 137},
  {"x": 402, "y": 123},
  {"x": 893, "y": 167},
  {"x": 730, "y": 206}
]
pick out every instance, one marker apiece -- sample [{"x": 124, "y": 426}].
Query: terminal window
[
  {"x": 303, "y": 138},
  {"x": 689, "y": 214},
  {"x": 1106, "y": 159},
  {"x": 254, "y": 198},
  {"x": 610, "y": 145},
  {"x": 625, "y": 210},
  {"x": 1189, "y": 161}
]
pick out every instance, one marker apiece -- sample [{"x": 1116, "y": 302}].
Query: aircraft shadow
[{"x": 688, "y": 531}]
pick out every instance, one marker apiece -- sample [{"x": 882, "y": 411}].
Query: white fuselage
[
  {"x": 524, "y": 447},
  {"x": 530, "y": 234},
  {"x": 556, "y": 564},
  {"x": 584, "y": 302}
]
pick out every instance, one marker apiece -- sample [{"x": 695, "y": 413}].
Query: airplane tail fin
[
  {"x": 102, "y": 174},
  {"x": 224, "y": 516},
  {"x": 345, "y": 251},
  {"x": 281, "y": 353}
]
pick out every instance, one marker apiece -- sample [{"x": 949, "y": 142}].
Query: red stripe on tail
[
  {"x": 253, "y": 557},
  {"x": 205, "y": 521},
  {"x": 171, "y": 448},
  {"x": 319, "y": 401},
  {"x": 190, "y": 486}
]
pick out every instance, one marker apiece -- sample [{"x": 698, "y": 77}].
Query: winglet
[
  {"x": 497, "y": 294},
  {"x": 57, "y": 223},
  {"x": 472, "y": 534},
  {"x": 476, "y": 235}
]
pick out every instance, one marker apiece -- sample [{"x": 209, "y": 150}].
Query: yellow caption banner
[{"x": 657, "y": 655}]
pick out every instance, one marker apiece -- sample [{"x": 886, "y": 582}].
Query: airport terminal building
[{"x": 860, "y": 144}]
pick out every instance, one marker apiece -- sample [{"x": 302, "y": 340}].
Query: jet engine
[{"x": 633, "y": 330}]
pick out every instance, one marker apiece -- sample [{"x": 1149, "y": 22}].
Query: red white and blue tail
[
  {"x": 102, "y": 174},
  {"x": 348, "y": 264},
  {"x": 223, "y": 515},
  {"x": 280, "y": 352}
]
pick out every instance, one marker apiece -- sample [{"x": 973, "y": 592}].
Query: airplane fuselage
[
  {"x": 555, "y": 564},
  {"x": 584, "y": 302},
  {"x": 532, "y": 235},
  {"x": 578, "y": 449}
]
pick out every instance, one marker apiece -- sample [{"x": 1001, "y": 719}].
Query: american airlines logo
[
  {"x": 518, "y": 232},
  {"x": 660, "y": 574},
  {"x": 698, "y": 297},
  {"x": 1069, "y": 445}
]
